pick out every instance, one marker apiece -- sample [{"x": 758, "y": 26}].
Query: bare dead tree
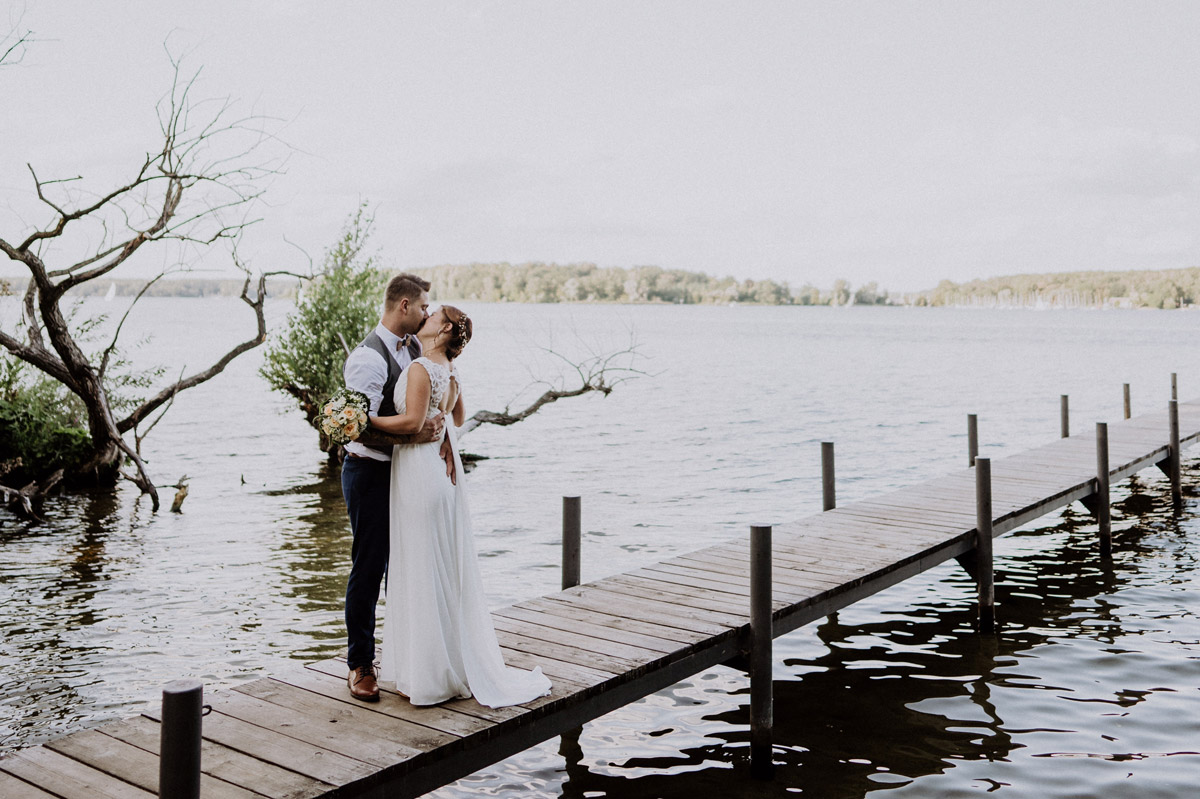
[
  {"x": 596, "y": 372},
  {"x": 196, "y": 190}
]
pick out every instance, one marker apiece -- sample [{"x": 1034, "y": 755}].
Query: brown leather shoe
[{"x": 363, "y": 685}]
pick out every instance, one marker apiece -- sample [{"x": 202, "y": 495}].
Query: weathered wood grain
[
  {"x": 133, "y": 765},
  {"x": 227, "y": 764}
]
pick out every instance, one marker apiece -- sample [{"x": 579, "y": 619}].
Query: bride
[{"x": 438, "y": 639}]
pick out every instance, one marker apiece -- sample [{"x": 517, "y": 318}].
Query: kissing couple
[{"x": 402, "y": 482}]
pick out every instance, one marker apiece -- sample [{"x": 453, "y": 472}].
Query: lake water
[{"x": 1089, "y": 689}]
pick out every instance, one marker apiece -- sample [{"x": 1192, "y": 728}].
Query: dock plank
[
  {"x": 133, "y": 765},
  {"x": 582, "y": 626},
  {"x": 10, "y": 786},
  {"x": 608, "y": 619},
  {"x": 319, "y": 763},
  {"x": 67, "y": 778},
  {"x": 223, "y": 763}
]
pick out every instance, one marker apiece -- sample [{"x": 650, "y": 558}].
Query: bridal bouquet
[{"x": 344, "y": 417}]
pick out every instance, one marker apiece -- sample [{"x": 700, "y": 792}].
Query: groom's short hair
[{"x": 404, "y": 286}]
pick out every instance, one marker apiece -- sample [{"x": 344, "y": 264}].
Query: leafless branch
[
  {"x": 139, "y": 437},
  {"x": 165, "y": 395},
  {"x": 27, "y": 501},
  {"x": 7, "y": 58},
  {"x": 599, "y": 373},
  {"x": 112, "y": 346}
]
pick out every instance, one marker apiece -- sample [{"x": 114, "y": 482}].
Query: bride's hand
[{"x": 431, "y": 430}]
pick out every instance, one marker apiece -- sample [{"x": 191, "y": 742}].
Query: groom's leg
[{"x": 366, "y": 485}]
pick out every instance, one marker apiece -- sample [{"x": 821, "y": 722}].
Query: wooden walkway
[{"x": 604, "y": 644}]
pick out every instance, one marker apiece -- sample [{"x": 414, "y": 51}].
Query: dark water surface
[{"x": 1091, "y": 687}]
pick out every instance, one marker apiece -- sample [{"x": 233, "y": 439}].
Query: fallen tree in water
[
  {"x": 193, "y": 190},
  {"x": 596, "y": 373}
]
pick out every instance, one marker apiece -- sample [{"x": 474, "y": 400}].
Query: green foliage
[
  {"x": 1164, "y": 288},
  {"x": 586, "y": 282},
  {"x": 41, "y": 425},
  {"x": 342, "y": 304}
]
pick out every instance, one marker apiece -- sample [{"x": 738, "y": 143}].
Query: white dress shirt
[{"x": 366, "y": 371}]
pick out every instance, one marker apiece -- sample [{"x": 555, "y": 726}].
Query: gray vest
[{"x": 387, "y": 406}]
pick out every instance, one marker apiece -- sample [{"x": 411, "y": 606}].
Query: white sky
[{"x": 899, "y": 142}]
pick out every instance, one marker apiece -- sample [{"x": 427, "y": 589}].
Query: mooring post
[
  {"x": 984, "y": 579},
  {"x": 972, "y": 438},
  {"x": 1064, "y": 412},
  {"x": 1174, "y": 388},
  {"x": 179, "y": 741},
  {"x": 1103, "y": 513},
  {"x": 1173, "y": 466},
  {"x": 828, "y": 498},
  {"x": 1128, "y": 407},
  {"x": 762, "y": 701},
  {"x": 572, "y": 534}
]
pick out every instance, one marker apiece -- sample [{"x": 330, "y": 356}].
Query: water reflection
[
  {"x": 42, "y": 658},
  {"x": 312, "y": 560}
]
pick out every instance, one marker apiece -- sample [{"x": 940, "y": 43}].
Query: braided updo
[{"x": 460, "y": 330}]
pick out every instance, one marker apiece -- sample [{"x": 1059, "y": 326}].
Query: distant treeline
[
  {"x": 170, "y": 287},
  {"x": 542, "y": 282},
  {"x": 585, "y": 282},
  {"x": 1166, "y": 288}
]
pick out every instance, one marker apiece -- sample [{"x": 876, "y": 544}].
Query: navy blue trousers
[{"x": 366, "y": 485}]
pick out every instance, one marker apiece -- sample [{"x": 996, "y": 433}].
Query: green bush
[
  {"x": 335, "y": 310},
  {"x": 41, "y": 427}
]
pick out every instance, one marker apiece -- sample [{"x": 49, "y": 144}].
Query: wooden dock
[{"x": 603, "y": 644}]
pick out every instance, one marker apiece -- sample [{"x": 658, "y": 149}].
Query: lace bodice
[{"x": 439, "y": 379}]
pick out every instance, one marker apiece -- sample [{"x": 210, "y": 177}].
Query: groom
[{"x": 373, "y": 368}]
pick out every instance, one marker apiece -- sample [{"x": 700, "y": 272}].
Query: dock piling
[
  {"x": 984, "y": 579},
  {"x": 972, "y": 438},
  {"x": 1103, "y": 512},
  {"x": 828, "y": 498},
  {"x": 572, "y": 534},
  {"x": 1174, "y": 388},
  {"x": 1128, "y": 407},
  {"x": 1173, "y": 466},
  {"x": 1064, "y": 413},
  {"x": 762, "y": 701},
  {"x": 179, "y": 741}
]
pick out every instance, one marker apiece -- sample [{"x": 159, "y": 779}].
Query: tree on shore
[
  {"x": 196, "y": 190},
  {"x": 337, "y": 308}
]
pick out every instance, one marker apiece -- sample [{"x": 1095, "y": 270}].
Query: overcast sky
[{"x": 897, "y": 142}]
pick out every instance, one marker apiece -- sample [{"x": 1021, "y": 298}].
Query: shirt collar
[{"x": 389, "y": 339}]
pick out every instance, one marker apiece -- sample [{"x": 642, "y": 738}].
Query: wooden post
[
  {"x": 179, "y": 740},
  {"x": 1174, "y": 387},
  {"x": 762, "y": 702},
  {"x": 572, "y": 533},
  {"x": 1128, "y": 407},
  {"x": 972, "y": 438},
  {"x": 1173, "y": 467},
  {"x": 983, "y": 545},
  {"x": 1103, "y": 512},
  {"x": 828, "y": 498},
  {"x": 1066, "y": 417}
]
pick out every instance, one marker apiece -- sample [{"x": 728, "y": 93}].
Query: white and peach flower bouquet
[{"x": 344, "y": 417}]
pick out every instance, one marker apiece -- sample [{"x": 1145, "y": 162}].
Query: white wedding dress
[{"x": 438, "y": 638}]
